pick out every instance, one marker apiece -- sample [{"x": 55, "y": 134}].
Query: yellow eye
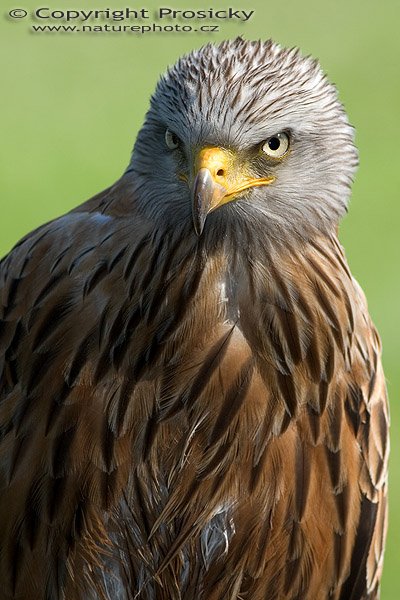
[
  {"x": 277, "y": 145},
  {"x": 171, "y": 139}
]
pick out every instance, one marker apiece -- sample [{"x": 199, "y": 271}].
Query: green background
[{"x": 72, "y": 104}]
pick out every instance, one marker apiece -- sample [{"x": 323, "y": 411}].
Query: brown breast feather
[{"x": 184, "y": 420}]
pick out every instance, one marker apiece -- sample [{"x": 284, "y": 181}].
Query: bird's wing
[
  {"x": 65, "y": 294},
  {"x": 353, "y": 425},
  {"x": 367, "y": 409}
]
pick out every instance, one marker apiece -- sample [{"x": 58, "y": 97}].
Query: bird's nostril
[{"x": 220, "y": 172}]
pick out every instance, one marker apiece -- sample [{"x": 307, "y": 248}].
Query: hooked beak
[{"x": 217, "y": 182}]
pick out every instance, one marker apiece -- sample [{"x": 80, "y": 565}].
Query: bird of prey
[{"x": 192, "y": 403}]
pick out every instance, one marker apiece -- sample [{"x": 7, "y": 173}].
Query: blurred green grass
[{"x": 72, "y": 104}]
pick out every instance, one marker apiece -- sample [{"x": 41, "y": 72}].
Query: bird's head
[{"x": 246, "y": 129}]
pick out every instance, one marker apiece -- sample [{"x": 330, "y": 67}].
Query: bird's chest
[{"x": 217, "y": 400}]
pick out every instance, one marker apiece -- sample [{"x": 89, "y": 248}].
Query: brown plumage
[{"x": 189, "y": 416}]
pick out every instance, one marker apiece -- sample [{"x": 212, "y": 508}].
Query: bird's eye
[
  {"x": 171, "y": 139},
  {"x": 277, "y": 145}
]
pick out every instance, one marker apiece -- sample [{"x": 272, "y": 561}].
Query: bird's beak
[{"x": 217, "y": 182}]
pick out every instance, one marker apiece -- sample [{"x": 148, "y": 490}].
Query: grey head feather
[{"x": 236, "y": 95}]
